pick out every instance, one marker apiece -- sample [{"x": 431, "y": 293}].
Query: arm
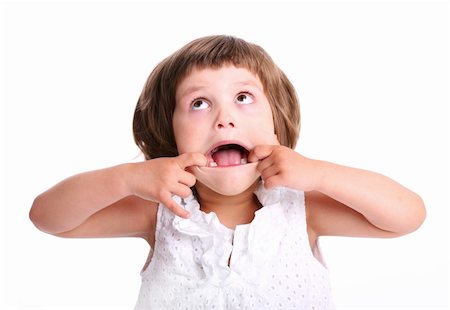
[
  {"x": 379, "y": 206},
  {"x": 93, "y": 204},
  {"x": 342, "y": 201},
  {"x": 115, "y": 201}
]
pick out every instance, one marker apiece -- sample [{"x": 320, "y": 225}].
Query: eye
[
  {"x": 244, "y": 98},
  {"x": 199, "y": 104}
]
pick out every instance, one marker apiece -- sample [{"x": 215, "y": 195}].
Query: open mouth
[{"x": 227, "y": 155}]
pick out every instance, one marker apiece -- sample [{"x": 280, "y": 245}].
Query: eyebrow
[
  {"x": 195, "y": 88},
  {"x": 192, "y": 89},
  {"x": 248, "y": 83}
]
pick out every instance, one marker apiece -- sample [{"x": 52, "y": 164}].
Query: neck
[{"x": 231, "y": 210}]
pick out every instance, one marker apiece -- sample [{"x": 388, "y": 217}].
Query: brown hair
[{"x": 152, "y": 123}]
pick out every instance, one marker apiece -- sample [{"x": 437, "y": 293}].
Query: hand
[
  {"x": 160, "y": 178},
  {"x": 282, "y": 166}
]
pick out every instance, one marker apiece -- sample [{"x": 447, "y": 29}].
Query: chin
[{"x": 228, "y": 181}]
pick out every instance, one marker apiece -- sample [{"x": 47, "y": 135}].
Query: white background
[{"x": 372, "y": 78}]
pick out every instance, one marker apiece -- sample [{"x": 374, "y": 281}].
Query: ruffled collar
[
  {"x": 266, "y": 197},
  {"x": 262, "y": 235}
]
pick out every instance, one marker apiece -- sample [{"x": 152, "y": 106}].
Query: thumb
[
  {"x": 191, "y": 159},
  {"x": 260, "y": 152}
]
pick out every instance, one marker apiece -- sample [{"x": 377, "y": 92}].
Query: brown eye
[
  {"x": 244, "y": 98},
  {"x": 199, "y": 104}
]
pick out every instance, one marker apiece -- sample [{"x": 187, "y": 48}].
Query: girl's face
[{"x": 223, "y": 113}]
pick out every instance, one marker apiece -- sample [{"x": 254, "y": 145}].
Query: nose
[
  {"x": 224, "y": 120},
  {"x": 225, "y": 114},
  {"x": 225, "y": 125}
]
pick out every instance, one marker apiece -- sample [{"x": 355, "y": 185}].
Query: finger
[
  {"x": 187, "y": 178},
  {"x": 182, "y": 190},
  {"x": 269, "y": 172},
  {"x": 191, "y": 159},
  {"x": 260, "y": 152},
  {"x": 272, "y": 182},
  {"x": 173, "y": 206},
  {"x": 264, "y": 164}
]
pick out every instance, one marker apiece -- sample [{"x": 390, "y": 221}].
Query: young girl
[{"x": 231, "y": 212}]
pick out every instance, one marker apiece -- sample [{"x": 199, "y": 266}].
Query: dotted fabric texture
[{"x": 198, "y": 263}]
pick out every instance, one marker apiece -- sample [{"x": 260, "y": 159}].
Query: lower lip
[
  {"x": 229, "y": 168},
  {"x": 214, "y": 165},
  {"x": 226, "y": 166}
]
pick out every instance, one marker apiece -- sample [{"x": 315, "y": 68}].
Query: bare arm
[
  {"x": 342, "y": 201},
  {"x": 116, "y": 201},
  {"x": 355, "y": 202},
  {"x": 72, "y": 201}
]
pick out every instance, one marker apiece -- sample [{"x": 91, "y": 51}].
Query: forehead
[{"x": 199, "y": 78}]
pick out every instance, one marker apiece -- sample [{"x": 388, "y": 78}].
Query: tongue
[{"x": 228, "y": 157}]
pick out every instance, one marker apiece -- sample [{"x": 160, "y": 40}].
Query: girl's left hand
[{"x": 282, "y": 166}]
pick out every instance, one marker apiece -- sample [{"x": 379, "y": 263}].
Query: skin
[
  {"x": 122, "y": 200},
  {"x": 215, "y": 107}
]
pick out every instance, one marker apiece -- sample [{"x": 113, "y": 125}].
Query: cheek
[
  {"x": 269, "y": 121},
  {"x": 179, "y": 130},
  {"x": 263, "y": 118},
  {"x": 182, "y": 134},
  {"x": 269, "y": 117},
  {"x": 187, "y": 135}
]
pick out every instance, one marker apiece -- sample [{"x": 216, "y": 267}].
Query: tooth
[
  {"x": 243, "y": 161},
  {"x": 213, "y": 164}
]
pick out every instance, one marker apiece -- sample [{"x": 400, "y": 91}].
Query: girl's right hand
[{"x": 160, "y": 178}]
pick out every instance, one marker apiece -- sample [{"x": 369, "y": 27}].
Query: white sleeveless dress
[{"x": 271, "y": 265}]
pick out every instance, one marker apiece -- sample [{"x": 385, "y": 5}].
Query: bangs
[
  {"x": 217, "y": 51},
  {"x": 152, "y": 122}
]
